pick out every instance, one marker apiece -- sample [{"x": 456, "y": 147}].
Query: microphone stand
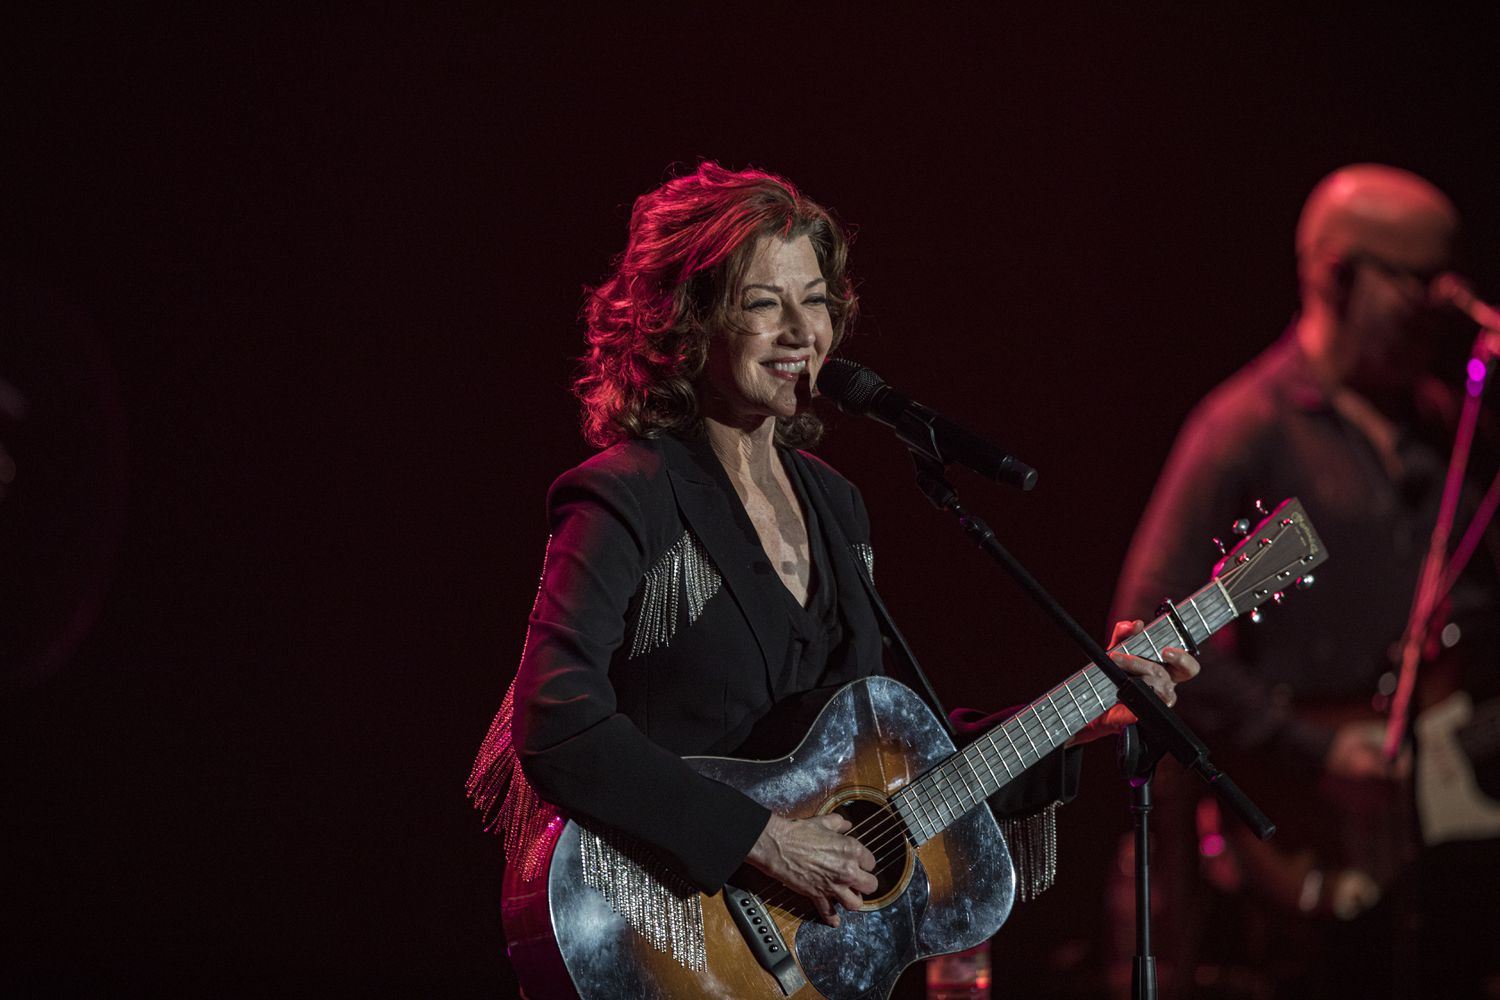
[
  {"x": 1139, "y": 768},
  {"x": 1163, "y": 731},
  {"x": 1439, "y": 572}
]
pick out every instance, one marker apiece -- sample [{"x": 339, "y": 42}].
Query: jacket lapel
[
  {"x": 848, "y": 570},
  {"x": 707, "y": 502}
]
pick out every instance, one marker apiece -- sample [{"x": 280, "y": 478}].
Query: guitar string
[
  {"x": 891, "y": 828},
  {"x": 945, "y": 778}
]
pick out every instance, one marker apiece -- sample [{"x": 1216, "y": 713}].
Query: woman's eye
[
  {"x": 761, "y": 304},
  {"x": 816, "y": 300}
]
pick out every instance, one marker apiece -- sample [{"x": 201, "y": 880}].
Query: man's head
[{"x": 1369, "y": 242}]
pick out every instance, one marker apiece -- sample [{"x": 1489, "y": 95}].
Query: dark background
[{"x": 293, "y": 302}]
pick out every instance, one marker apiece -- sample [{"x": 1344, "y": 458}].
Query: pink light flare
[{"x": 1476, "y": 376}]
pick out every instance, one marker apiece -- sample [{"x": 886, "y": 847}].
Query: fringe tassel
[
  {"x": 499, "y": 789},
  {"x": 682, "y": 573},
  {"x": 1033, "y": 849},
  {"x": 866, "y": 553},
  {"x": 506, "y": 799},
  {"x": 656, "y": 903},
  {"x": 652, "y": 899}
]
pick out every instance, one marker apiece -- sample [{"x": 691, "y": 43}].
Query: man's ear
[{"x": 1340, "y": 282}]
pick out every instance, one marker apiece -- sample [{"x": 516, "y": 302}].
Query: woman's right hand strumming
[{"x": 816, "y": 859}]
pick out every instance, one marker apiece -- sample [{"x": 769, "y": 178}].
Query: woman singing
[{"x": 702, "y": 569}]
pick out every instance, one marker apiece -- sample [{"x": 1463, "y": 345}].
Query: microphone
[
  {"x": 858, "y": 390},
  {"x": 1453, "y": 290}
]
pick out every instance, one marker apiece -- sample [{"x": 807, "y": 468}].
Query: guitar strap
[{"x": 902, "y": 656}]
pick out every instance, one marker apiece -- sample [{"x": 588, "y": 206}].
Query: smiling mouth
[{"x": 791, "y": 371}]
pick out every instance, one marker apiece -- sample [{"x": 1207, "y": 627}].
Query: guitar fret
[
  {"x": 955, "y": 775},
  {"x": 1182, "y": 640},
  {"x": 1027, "y": 734},
  {"x": 968, "y": 765},
  {"x": 993, "y": 776},
  {"x": 954, "y": 786},
  {"x": 922, "y": 823},
  {"x": 1055, "y": 713},
  {"x": 1193, "y": 603},
  {"x": 1104, "y": 690},
  {"x": 905, "y": 803},
  {"x": 1166, "y": 633},
  {"x": 1068, "y": 687},
  {"x": 1005, "y": 731},
  {"x": 949, "y": 814},
  {"x": 1000, "y": 756}
]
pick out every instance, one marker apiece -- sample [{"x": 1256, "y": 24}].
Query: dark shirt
[
  {"x": 817, "y": 630},
  {"x": 1270, "y": 432}
]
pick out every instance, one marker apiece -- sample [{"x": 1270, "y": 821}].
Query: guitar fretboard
[{"x": 961, "y": 782}]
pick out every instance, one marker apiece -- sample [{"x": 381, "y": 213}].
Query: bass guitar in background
[{"x": 1448, "y": 791}]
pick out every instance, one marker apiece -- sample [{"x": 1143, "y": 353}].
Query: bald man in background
[{"x": 1344, "y": 412}]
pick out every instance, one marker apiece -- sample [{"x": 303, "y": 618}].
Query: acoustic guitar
[{"x": 877, "y": 755}]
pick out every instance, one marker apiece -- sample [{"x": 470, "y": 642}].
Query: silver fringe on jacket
[
  {"x": 655, "y": 903},
  {"x": 682, "y": 575},
  {"x": 1033, "y": 850}
]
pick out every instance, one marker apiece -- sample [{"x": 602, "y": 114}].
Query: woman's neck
[{"x": 746, "y": 451}]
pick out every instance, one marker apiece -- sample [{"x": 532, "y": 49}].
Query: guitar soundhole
[{"x": 877, "y": 826}]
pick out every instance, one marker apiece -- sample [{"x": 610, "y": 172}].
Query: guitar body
[
  {"x": 1450, "y": 802},
  {"x": 873, "y": 738},
  {"x": 583, "y": 925}
]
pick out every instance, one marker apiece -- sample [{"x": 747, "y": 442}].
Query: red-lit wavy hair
[{"x": 674, "y": 288}]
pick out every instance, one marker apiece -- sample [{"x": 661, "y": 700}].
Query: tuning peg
[
  {"x": 1241, "y": 527},
  {"x": 1256, "y": 616},
  {"x": 1219, "y": 544},
  {"x": 1278, "y": 597},
  {"x": 1303, "y": 582},
  {"x": 1260, "y": 509}
]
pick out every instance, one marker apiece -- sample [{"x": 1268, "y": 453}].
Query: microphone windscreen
[{"x": 849, "y": 384}]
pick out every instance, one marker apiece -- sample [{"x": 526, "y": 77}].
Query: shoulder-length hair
[{"x": 649, "y": 323}]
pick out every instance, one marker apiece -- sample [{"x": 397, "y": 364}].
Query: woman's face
[{"x": 767, "y": 367}]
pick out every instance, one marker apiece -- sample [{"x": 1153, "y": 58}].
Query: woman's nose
[{"x": 799, "y": 328}]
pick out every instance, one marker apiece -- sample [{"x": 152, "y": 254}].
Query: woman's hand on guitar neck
[
  {"x": 1177, "y": 667},
  {"x": 815, "y": 858}
]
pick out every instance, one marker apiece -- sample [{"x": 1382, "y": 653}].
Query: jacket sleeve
[{"x": 576, "y": 749}]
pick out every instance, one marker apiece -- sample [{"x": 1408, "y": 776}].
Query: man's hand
[{"x": 1358, "y": 754}]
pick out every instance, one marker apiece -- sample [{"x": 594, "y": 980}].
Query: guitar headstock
[{"x": 1278, "y": 553}]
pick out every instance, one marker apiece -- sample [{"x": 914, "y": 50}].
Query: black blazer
[{"x": 624, "y": 672}]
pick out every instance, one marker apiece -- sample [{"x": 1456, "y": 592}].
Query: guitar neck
[{"x": 961, "y": 782}]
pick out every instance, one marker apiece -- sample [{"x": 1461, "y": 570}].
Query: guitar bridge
[{"x": 764, "y": 938}]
